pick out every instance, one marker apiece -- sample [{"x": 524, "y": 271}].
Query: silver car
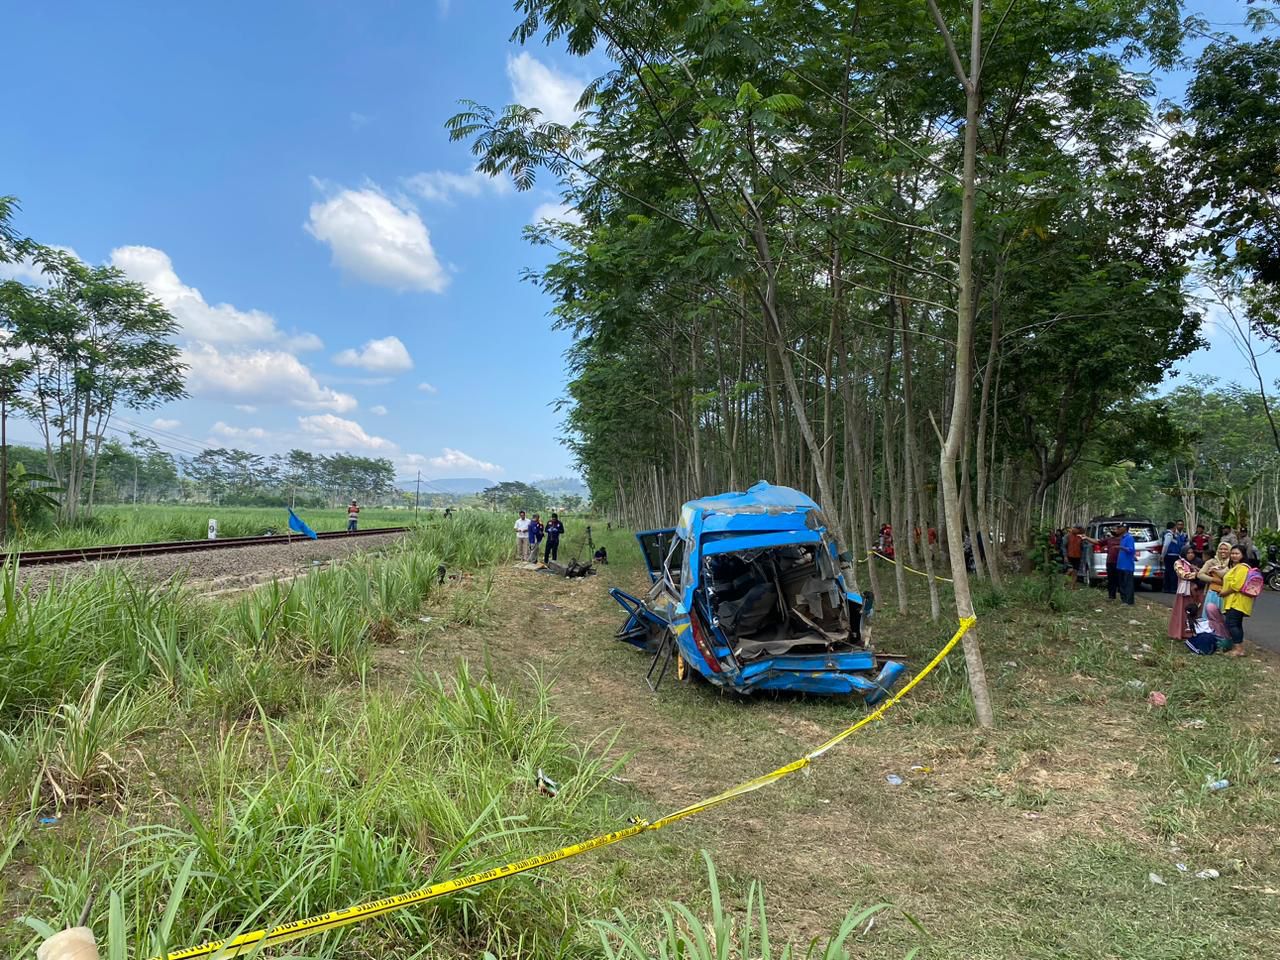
[{"x": 1148, "y": 560}]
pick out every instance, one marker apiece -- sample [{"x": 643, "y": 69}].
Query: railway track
[{"x": 125, "y": 551}]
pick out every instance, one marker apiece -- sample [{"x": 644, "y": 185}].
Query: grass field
[
  {"x": 154, "y": 523},
  {"x": 215, "y": 766}
]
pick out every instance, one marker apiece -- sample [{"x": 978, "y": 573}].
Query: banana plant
[{"x": 29, "y": 496}]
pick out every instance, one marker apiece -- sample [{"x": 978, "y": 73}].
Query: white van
[{"x": 1148, "y": 560}]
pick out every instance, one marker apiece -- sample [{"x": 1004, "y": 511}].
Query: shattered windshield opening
[{"x": 774, "y": 600}]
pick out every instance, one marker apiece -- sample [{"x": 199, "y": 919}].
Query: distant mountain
[
  {"x": 562, "y": 486},
  {"x": 459, "y": 486}
]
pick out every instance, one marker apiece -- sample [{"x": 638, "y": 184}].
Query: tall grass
[
  {"x": 357, "y": 801},
  {"x": 317, "y": 793},
  {"x": 681, "y": 934},
  {"x": 53, "y": 643}
]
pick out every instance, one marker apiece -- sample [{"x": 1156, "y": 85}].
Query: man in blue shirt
[
  {"x": 1175, "y": 543},
  {"x": 1124, "y": 564}
]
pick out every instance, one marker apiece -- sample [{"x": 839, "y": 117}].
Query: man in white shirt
[{"x": 522, "y": 537}]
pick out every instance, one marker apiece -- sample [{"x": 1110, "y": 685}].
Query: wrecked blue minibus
[{"x": 748, "y": 594}]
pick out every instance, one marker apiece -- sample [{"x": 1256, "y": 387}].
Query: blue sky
[{"x": 280, "y": 176}]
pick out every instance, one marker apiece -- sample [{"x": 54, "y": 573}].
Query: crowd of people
[
  {"x": 531, "y": 534},
  {"x": 1213, "y": 592}
]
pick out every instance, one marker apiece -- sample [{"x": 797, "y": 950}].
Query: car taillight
[
  {"x": 1158, "y": 548},
  {"x": 700, "y": 641}
]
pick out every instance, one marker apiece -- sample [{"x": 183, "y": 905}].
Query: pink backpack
[{"x": 1253, "y": 583}]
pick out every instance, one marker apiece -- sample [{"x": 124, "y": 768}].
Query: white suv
[{"x": 1148, "y": 561}]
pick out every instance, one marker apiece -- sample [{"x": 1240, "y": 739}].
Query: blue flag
[{"x": 297, "y": 526}]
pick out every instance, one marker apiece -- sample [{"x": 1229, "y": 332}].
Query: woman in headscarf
[
  {"x": 1212, "y": 574},
  {"x": 1187, "y": 602}
]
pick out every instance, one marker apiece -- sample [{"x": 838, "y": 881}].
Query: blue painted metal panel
[{"x": 855, "y": 660}]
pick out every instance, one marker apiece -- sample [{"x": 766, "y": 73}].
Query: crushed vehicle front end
[{"x": 751, "y": 596}]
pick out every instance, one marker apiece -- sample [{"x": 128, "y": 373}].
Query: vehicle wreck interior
[{"x": 779, "y": 600}]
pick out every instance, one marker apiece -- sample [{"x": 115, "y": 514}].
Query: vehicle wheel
[
  {"x": 684, "y": 672},
  {"x": 1274, "y": 581}
]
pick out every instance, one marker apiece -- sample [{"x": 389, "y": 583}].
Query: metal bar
[{"x": 125, "y": 551}]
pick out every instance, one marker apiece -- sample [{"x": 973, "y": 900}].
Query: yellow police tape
[
  {"x": 877, "y": 553},
  {"x": 245, "y": 942}
]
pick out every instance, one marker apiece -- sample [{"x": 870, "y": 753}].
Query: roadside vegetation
[
  {"x": 211, "y": 766},
  {"x": 156, "y": 523}
]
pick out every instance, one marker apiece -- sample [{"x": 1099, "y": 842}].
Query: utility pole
[
  {"x": 417, "y": 492},
  {"x": 135, "y": 480}
]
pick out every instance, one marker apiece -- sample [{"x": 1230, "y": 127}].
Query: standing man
[
  {"x": 1075, "y": 556},
  {"x": 1200, "y": 544},
  {"x": 1167, "y": 557},
  {"x": 535, "y": 537},
  {"x": 553, "y": 531},
  {"x": 1245, "y": 543},
  {"x": 522, "y": 537},
  {"x": 353, "y": 517},
  {"x": 1111, "y": 546},
  {"x": 1125, "y": 556},
  {"x": 1177, "y": 543}
]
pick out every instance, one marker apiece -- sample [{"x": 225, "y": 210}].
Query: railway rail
[{"x": 125, "y": 551}]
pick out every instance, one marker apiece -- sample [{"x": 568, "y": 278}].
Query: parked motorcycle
[{"x": 1270, "y": 568}]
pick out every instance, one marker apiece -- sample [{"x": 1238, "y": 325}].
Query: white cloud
[
  {"x": 327, "y": 432},
  {"x": 238, "y": 433},
  {"x": 455, "y": 461},
  {"x": 387, "y": 355},
  {"x": 359, "y": 120},
  {"x": 449, "y": 461},
  {"x": 442, "y": 186},
  {"x": 428, "y": 388},
  {"x": 303, "y": 342},
  {"x": 258, "y": 375},
  {"x": 161, "y": 423},
  {"x": 378, "y": 241},
  {"x": 378, "y": 410},
  {"x": 557, "y": 211},
  {"x": 200, "y": 320},
  {"x": 534, "y": 84},
  {"x": 246, "y": 408}
]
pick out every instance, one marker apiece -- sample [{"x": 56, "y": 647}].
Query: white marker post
[{"x": 213, "y": 529}]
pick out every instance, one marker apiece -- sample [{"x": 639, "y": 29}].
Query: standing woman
[
  {"x": 1212, "y": 574},
  {"x": 1186, "y": 602},
  {"x": 1236, "y": 603}
]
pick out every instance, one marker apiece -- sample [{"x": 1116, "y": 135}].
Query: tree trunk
[
  {"x": 768, "y": 299},
  {"x": 913, "y": 457},
  {"x": 963, "y": 381}
]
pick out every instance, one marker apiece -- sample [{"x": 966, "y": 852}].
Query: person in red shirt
[
  {"x": 1112, "y": 547},
  {"x": 353, "y": 517},
  {"x": 1075, "y": 556},
  {"x": 1200, "y": 544}
]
